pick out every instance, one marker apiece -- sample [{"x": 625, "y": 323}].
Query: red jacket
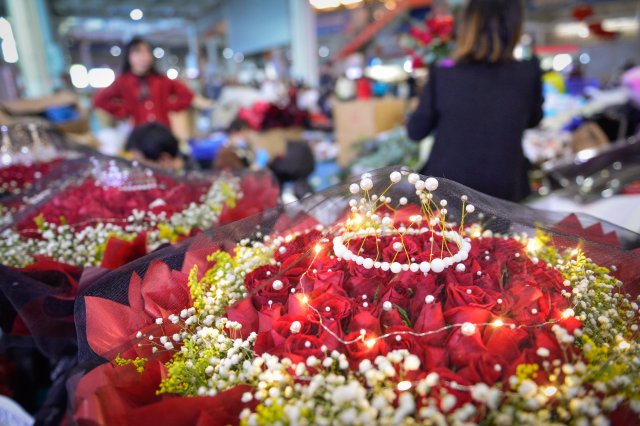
[{"x": 123, "y": 99}]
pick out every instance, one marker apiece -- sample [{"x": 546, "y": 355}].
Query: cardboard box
[
  {"x": 274, "y": 141},
  {"x": 588, "y": 136},
  {"x": 34, "y": 108},
  {"x": 358, "y": 120}
]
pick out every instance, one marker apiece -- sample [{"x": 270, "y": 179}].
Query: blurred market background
[{"x": 326, "y": 85}]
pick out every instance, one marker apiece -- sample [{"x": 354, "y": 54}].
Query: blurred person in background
[
  {"x": 153, "y": 144},
  {"x": 237, "y": 153},
  {"x": 480, "y": 107},
  {"x": 141, "y": 93}
]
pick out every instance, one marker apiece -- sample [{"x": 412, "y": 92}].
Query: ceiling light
[
  {"x": 323, "y": 51},
  {"x": 572, "y": 29},
  {"x": 136, "y": 14},
  {"x": 172, "y": 73},
  {"x": 79, "y": 76},
  {"x": 561, "y": 61},
  {"x": 324, "y": 4},
  {"x": 227, "y": 53},
  {"x": 621, "y": 24},
  {"x": 158, "y": 52},
  {"x": 585, "y": 58},
  {"x": 8, "y": 46},
  {"x": 101, "y": 77},
  {"x": 115, "y": 51}
]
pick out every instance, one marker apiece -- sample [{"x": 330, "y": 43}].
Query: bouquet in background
[
  {"x": 100, "y": 218},
  {"x": 398, "y": 299},
  {"x": 115, "y": 206},
  {"x": 431, "y": 40}
]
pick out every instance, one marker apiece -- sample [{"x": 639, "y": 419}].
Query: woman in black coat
[{"x": 480, "y": 107}]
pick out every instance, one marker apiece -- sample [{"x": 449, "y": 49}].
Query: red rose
[
  {"x": 410, "y": 246},
  {"x": 463, "y": 314},
  {"x": 487, "y": 282},
  {"x": 268, "y": 342},
  {"x": 331, "y": 307},
  {"x": 282, "y": 325},
  {"x": 519, "y": 265},
  {"x": 300, "y": 347},
  {"x": 295, "y": 266},
  {"x": 452, "y": 276},
  {"x": 357, "y": 287},
  {"x": 528, "y": 304},
  {"x": 260, "y": 284},
  {"x": 461, "y": 348},
  {"x": 267, "y": 316},
  {"x": 431, "y": 318},
  {"x": 392, "y": 318},
  {"x": 432, "y": 357},
  {"x": 359, "y": 351},
  {"x": 548, "y": 279},
  {"x": 483, "y": 368},
  {"x": 401, "y": 339},
  {"x": 426, "y": 286},
  {"x": 300, "y": 245},
  {"x": 505, "y": 341},
  {"x": 322, "y": 281},
  {"x": 399, "y": 294},
  {"x": 258, "y": 277},
  {"x": 365, "y": 321},
  {"x": 472, "y": 296}
]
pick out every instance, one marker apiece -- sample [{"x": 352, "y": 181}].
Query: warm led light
[
  {"x": 497, "y": 323},
  {"x": 404, "y": 386},
  {"x": 534, "y": 245},
  {"x": 568, "y": 313},
  {"x": 305, "y": 300},
  {"x": 358, "y": 219},
  {"x": 318, "y": 248},
  {"x": 624, "y": 345},
  {"x": 550, "y": 391},
  {"x": 371, "y": 343}
]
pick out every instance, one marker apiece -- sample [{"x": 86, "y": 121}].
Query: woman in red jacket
[{"x": 141, "y": 93}]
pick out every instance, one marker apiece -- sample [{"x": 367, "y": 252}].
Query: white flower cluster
[
  {"x": 85, "y": 247},
  {"x": 326, "y": 392}
]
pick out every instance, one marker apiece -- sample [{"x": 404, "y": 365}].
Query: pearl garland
[{"x": 436, "y": 265}]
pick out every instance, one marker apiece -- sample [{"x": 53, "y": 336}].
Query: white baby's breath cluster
[
  {"x": 212, "y": 354},
  {"x": 326, "y": 392},
  {"x": 85, "y": 247}
]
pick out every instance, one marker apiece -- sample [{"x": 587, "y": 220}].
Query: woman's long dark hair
[
  {"x": 133, "y": 44},
  {"x": 489, "y": 31}
]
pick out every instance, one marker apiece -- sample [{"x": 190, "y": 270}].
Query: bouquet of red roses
[
  {"x": 430, "y": 40},
  {"x": 28, "y": 153},
  {"x": 397, "y": 300},
  {"x": 18, "y": 178},
  {"x": 89, "y": 220}
]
